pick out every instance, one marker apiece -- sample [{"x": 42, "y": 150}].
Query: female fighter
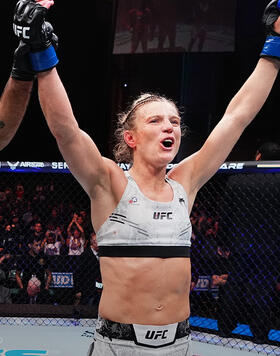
[{"x": 142, "y": 217}]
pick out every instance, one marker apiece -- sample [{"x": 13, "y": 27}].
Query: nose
[{"x": 167, "y": 126}]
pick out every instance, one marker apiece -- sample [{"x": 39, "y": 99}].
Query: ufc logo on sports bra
[
  {"x": 152, "y": 334},
  {"x": 19, "y": 30},
  {"x": 160, "y": 215}
]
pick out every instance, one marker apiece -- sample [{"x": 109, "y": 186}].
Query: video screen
[{"x": 153, "y": 26}]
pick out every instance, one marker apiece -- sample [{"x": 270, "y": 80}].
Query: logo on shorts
[{"x": 154, "y": 335}]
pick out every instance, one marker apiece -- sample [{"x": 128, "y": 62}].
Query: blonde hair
[{"x": 126, "y": 121}]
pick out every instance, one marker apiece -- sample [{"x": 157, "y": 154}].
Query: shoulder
[
  {"x": 182, "y": 172},
  {"x": 114, "y": 185},
  {"x": 113, "y": 171},
  {"x": 176, "y": 185}
]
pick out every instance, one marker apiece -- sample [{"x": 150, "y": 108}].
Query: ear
[{"x": 129, "y": 138}]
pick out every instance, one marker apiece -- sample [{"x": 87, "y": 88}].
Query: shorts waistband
[{"x": 115, "y": 330}]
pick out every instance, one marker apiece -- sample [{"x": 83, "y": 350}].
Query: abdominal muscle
[{"x": 150, "y": 291}]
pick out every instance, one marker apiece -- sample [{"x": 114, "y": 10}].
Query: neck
[
  {"x": 148, "y": 174},
  {"x": 152, "y": 183}
]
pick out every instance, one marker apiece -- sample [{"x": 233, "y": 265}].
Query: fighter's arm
[
  {"x": 15, "y": 97},
  {"x": 77, "y": 148},
  {"x": 16, "y": 94},
  {"x": 13, "y": 104},
  {"x": 37, "y": 48},
  {"x": 240, "y": 112},
  {"x": 196, "y": 170}
]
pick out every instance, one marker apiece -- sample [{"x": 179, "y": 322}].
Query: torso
[
  {"x": 146, "y": 290},
  {"x": 150, "y": 291}
]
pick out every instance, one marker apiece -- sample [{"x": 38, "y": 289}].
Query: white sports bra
[{"x": 140, "y": 227}]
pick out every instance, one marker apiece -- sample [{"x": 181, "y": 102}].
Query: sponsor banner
[
  {"x": 62, "y": 280},
  {"x": 250, "y": 167},
  {"x": 204, "y": 284},
  {"x": 30, "y": 167},
  {"x": 61, "y": 167}
]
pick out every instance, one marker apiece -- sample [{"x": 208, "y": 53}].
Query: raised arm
[
  {"x": 13, "y": 104},
  {"x": 16, "y": 94},
  {"x": 75, "y": 145},
  {"x": 196, "y": 170}
]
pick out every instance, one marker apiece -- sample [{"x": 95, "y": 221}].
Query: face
[
  {"x": 83, "y": 214},
  {"x": 50, "y": 239},
  {"x": 80, "y": 220},
  {"x": 157, "y": 134},
  {"x": 38, "y": 227},
  {"x": 36, "y": 247},
  {"x": 76, "y": 233}
]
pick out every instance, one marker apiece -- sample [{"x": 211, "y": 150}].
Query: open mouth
[{"x": 168, "y": 142}]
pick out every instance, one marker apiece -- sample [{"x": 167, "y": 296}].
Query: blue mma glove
[
  {"x": 32, "y": 29},
  {"x": 272, "y": 44}
]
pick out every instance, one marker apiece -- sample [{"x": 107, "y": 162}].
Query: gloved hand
[
  {"x": 32, "y": 29},
  {"x": 272, "y": 44},
  {"x": 22, "y": 69}
]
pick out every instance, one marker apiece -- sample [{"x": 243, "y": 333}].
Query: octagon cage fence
[{"x": 235, "y": 285}]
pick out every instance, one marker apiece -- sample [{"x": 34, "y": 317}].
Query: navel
[{"x": 159, "y": 307}]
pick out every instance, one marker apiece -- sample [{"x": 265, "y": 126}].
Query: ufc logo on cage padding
[{"x": 155, "y": 336}]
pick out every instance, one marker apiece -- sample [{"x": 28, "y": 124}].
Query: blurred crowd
[
  {"x": 41, "y": 233},
  {"x": 63, "y": 229}
]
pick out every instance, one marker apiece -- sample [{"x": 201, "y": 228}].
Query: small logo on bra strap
[{"x": 133, "y": 200}]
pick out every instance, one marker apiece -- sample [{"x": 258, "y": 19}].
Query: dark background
[{"x": 100, "y": 84}]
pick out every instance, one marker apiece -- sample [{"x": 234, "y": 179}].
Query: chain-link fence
[
  {"x": 235, "y": 249},
  {"x": 235, "y": 254},
  {"x": 46, "y": 269}
]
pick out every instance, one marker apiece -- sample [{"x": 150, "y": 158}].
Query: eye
[
  {"x": 175, "y": 121},
  {"x": 154, "y": 120}
]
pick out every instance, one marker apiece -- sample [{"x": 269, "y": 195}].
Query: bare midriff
[{"x": 150, "y": 291}]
